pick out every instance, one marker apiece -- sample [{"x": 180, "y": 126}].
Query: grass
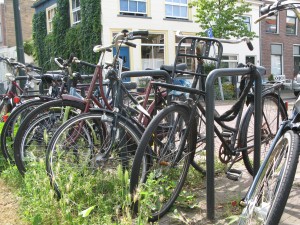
[{"x": 94, "y": 198}]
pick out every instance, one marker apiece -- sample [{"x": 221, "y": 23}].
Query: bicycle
[
  {"x": 57, "y": 81},
  {"x": 14, "y": 93},
  {"x": 34, "y": 126},
  {"x": 103, "y": 139},
  {"x": 267, "y": 196},
  {"x": 177, "y": 132}
]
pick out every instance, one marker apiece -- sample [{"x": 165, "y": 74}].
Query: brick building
[
  {"x": 7, "y": 23},
  {"x": 280, "y": 44}
]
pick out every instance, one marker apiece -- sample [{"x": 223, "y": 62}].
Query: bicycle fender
[
  {"x": 72, "y": 98},
  {"x": 184, "y": 104}
]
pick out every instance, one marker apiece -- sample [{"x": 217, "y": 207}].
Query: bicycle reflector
[
  {"x": 4, "y": 117},
  {"x": 17, "y": 100}
]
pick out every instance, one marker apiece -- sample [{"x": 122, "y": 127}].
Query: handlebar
[
  {"x": 270, "y": 10},
  {"x": 64, "y": 63},
  {"x": 229, "y": 41}
]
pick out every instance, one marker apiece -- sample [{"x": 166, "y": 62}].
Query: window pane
[
  {"x": 184, "y": 1},
  {"x": 271, "y": 24},
  {"x": 183, "y": 12},
  {"x": 296, "y": 50},
  {"x": 290, "y": 25},
  {"x": 276, "y": 65},
  {"x": 153, "y": 51},
  {"x": 124, "y": 5},
  {"x": 176, "y": 11},
  {"x": 176, "y": 1},
  {"x": 142, "y": 7},
  {"x": 132, "y": 6},
  {"x": 168, "y": 10},
  {"x": 290, "y": 13},
  {"x": 276, "y": 49}
]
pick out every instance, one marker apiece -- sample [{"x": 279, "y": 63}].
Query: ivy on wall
[
  {"x": 39, "y": 33},
  {"x": 64, "y": 40}
]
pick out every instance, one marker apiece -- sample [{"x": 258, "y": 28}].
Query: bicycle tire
[
  {"x": 161, "y": 162},
  {"x": 45, "y": 118},
  {"x": 268, "y": 201},
  {"x": 82, "y": 151},
  {"x": 269, "y": 127},
  {"x": 8, "y": 130}
]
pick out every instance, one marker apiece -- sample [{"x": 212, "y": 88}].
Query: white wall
[{"x": 12, "y": 53}]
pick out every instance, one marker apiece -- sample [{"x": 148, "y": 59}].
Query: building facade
[
  {"x": 280, "y": 44},
  {"x": 163, "y": 19},
  {"x": 7, "y": 22}
]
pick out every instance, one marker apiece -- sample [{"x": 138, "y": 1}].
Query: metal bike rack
[{"x": 210, "y": 103}]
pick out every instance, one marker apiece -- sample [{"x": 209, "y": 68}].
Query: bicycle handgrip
[
  {"x": 140, "y": 32},
  {"x": 250, "y": 46},
  {"x": 87, "y": 64},
  {"x": 130, "y": 44},
  {"x": 264, "y": 10}
]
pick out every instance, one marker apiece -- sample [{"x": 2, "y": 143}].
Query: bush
[{"x": 228, "y": 91}]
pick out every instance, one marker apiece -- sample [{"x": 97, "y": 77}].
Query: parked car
[{"x": 296, "y": 85}]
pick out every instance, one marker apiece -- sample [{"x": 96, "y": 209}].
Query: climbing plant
[{"x": 66, "y": 39}]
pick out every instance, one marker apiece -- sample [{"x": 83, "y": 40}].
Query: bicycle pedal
[{"x": 234, "y": 174}]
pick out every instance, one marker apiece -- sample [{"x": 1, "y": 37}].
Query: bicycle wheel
[
  {"x": 169, "y": 151},
  {"x": 12, "y": 124},
  {"x": 270, "y": 194},
  {"x": 89, "y": 142},
  {"x": 272, "y": 115},
  {"x": 37, "y": 129}
]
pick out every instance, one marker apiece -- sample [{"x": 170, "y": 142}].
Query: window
[
  {"x": 276, "y": 59},
  {"x": 229, "y": 61},
  {"x": 296, "y": 53},
  {"x": 75, "y": 16},
  {"x": 177, "y": 9},
  {"x": 250, "y": 59},
  {"x": 133, "y": 7},
  {"x": 50, "y": 14},
  {"x": 153, "y": 51},
  {"x": 271, "y": 24},
  {"x": 247, "y": 21},
  {"x": 291, "y": 22}
]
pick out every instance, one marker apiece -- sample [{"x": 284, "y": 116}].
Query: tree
[{"x": 225, "y": 17}]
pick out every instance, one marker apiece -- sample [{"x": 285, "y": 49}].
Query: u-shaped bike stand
[{"x": 210, "y": 103}]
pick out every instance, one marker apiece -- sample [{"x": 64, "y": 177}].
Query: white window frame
[
  {"x": 134, "y": 12},
  {"x": 74, "y": 10},
  {"x": 50, "y": 20},
  {"x": 250, "y": 22},
  {"x": 180, "y": 5},
  {"x": 296, "y": 55},
  {"x": 152, "y": 63},
  {"x": 296, "y": 22},
  {"x": 281, "y": 58},
  {"x": 277, "y": 25}
]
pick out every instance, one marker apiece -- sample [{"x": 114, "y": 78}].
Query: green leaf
[{"x": 86, "y": 213}]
